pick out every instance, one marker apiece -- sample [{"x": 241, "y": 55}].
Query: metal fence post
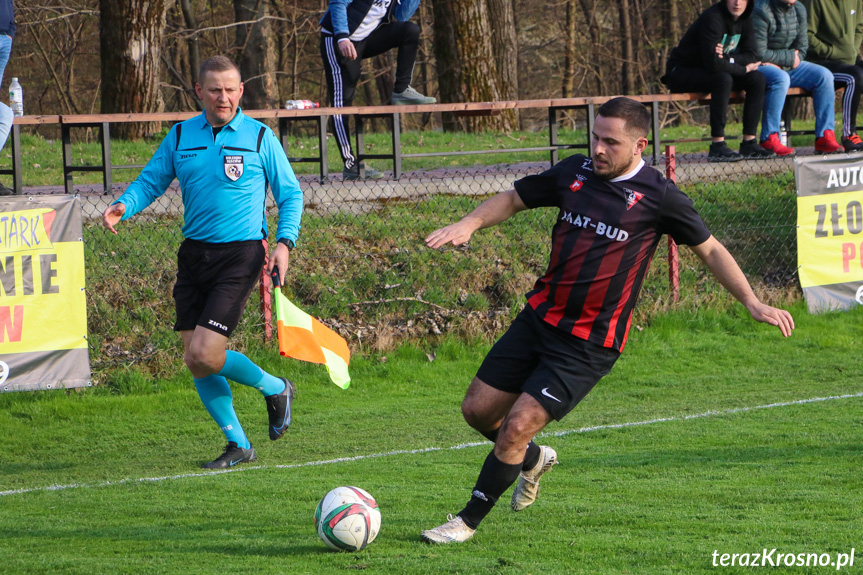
[
  {"x": 66, "y": 136},
  {"x": 107, "y": 171},
  {"x": 397, "y": 146},
  {"x": 266, "y": 303},
  {"x": 322, "y": 146},
  {"x": 16, "y": 160},
  {"x": 552, "y": 135},
  {"x": 673, "y": 264}
]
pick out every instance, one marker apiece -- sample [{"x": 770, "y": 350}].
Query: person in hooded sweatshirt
[{"x": 718, "y": 54}]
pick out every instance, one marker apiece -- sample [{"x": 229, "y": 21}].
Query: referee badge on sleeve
[{"x": 234, "y": 167}]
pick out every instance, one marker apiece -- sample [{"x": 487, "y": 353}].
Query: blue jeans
[
  {"x": 6, "y": 115},
  {"x": 5, "y": 51},
  {"x": 816, "y": 79}
]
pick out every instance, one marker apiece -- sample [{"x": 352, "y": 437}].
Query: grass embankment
[{"x": 370, "y": 276}]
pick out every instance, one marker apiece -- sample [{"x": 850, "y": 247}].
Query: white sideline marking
[{"x": 562, "y": 433}]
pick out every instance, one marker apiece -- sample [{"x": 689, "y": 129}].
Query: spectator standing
[
  {"x": 352, "y": 30},
  {"x": 782, "y": 40},
  {"x": 7, "y": 33},
  {"x": 835, "y": 31},
  {"x": 717, "y": 54}
]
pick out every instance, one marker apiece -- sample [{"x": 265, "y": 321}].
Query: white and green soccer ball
[{"x": 347, "y": 519}]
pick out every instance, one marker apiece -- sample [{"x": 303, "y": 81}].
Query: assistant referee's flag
[{"x": 303, "y": 337}]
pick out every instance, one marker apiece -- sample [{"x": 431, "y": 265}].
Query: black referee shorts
[
  {"x": 214, "y": 281},
  {"x": 552, "y": 366}
]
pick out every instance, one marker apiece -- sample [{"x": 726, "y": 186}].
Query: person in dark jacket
[
  {"x": 835, "y": 33},
  {"x": 782, "y": 40},
  {"x": 717, "y": 55},
  {"x": 7, "y": 33},
  {"x": 352, "y": 30}
]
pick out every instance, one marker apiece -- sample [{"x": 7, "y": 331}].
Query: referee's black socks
[{"x": 494, "y": 478}]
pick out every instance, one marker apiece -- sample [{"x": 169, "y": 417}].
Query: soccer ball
[{"x": 347, "y": 519}]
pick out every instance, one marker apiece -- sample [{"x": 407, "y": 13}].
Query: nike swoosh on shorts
[{"x": 547, "y": 394}]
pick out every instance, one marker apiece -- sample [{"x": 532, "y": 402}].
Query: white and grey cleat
[
  {"x": 528, "y": 482},
  {"x": 453, "y": 531}
]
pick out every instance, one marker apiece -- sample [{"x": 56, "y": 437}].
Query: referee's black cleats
[
  {"x": 279, "y": 409},
  {"x": 233, "y": 455}
]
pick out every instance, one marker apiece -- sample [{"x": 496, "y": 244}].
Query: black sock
[
  {"x": 491, "y": 435},
  {"x": 531, "y": 455},
  {"x": 494, "y": 478}
]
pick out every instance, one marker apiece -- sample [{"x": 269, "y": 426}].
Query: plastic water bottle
[
  {"x": 301, "y": 105},
  {"x": 16, "y": 98},
  {"x": 783, "y": 135}
]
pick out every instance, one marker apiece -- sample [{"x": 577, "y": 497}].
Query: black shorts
[
  {"x": 214, "y": 281},
  {"x": 554, "y": 367}
]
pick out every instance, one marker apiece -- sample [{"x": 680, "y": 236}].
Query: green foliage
[{"x": 109, "y": 482}]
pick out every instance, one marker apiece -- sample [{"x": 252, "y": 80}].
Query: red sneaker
[
  {"x": 827, "y": 143},
  {"x": 774, "y": 144}
]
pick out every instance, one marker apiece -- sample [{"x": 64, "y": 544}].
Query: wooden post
[
  {"x": 673, "y": 264},
  {"x": 266, "y": 303}
]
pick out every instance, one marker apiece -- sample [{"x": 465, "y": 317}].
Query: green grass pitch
[{"x": 697, "y": 442}]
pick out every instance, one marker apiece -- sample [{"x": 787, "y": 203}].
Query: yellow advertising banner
[
  {"x": 830, "y": 230},
  {"x": 829, "y": 238},
  {"x": 43, "y": 319}
]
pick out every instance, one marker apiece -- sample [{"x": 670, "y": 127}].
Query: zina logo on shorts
[
  {"x": 218, "y": 325},
  {"x": 234, "y": 167}
]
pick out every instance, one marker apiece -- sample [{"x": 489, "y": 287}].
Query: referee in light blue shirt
[{"x": 223, "y": 161}]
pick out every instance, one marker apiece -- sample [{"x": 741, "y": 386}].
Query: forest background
[{"x": 121, "y": 56}]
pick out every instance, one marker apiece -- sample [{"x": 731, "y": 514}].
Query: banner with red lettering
[
  {"x": 43, "y": 313},
  {"x": 830, "y": 230}
]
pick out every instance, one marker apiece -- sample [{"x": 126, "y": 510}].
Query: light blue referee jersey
[{"x": 224, "y": 182}]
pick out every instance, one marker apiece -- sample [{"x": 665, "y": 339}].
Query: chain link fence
[{"x": 361, "y": 264}]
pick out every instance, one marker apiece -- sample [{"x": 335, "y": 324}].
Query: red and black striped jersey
[{"x": 602, "y": 244}]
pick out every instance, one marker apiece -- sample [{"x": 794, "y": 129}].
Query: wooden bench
[
  {"x": 15, "y": 138},
  {"x": 739, "y": 97},
  {"x": 361, "y": 113}
]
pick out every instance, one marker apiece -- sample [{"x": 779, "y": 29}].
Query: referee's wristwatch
[{"x": 288, "y": 243}]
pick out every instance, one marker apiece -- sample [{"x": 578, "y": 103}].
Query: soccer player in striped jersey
[{"x": 612, "y": 212}]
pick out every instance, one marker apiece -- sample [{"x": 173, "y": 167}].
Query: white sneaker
[
  {"x": 528, "y": 482},
  {"x": 453, "y": 531}
]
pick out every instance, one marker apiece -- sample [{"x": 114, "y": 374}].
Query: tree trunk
[
  {"x": 466, "y": 65},
  {"x": 626, "y": 49},
  {"x": 672, "y": 22},
  {"x": 504, "y": 43},
  {"x": 192, "y": 42},
  {"x": 257, "y": 55},
  {"x": 130, "y": 34},
  {"x": 593, "y": 28},
  {"x": 569, "y": 52}
]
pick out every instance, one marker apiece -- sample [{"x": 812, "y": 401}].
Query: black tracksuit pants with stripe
[{"x": 343, "y": 75}]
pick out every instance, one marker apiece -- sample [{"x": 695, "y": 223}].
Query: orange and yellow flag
[{"x": 303, "y": 337}]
